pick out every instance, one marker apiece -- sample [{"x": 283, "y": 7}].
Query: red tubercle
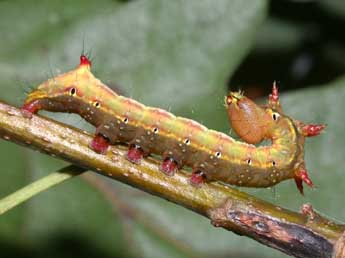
[
  {"x": 99, "y": 144},
  {"x": 305, "y": 178},
  {"x": 308, "y": 210},
  {"x": 84, "y": 61},
  {"x": 300, "y": 177},
  {"x": 312, "y": 129},
  {"x": 135, "y": 154},
  {"x": 274, "y": 97},
  {"x": 30, "y": 108},
  {"x": 197, "y": 178},
  {"x": 169, "y": 166}
]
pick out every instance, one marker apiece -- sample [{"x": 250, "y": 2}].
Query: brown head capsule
[{"x": 249, "y": 121}]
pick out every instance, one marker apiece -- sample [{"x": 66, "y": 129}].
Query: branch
[{"x": 305, "y": 234}]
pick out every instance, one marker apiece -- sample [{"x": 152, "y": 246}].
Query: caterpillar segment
[{"x": 212, "y": 155}]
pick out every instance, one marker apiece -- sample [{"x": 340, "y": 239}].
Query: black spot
[
  {"x": 275, "y": 116},
  {"x": 73, "y": 91}
]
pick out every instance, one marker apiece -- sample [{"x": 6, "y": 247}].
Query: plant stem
[{"x": 38, "y": 186}]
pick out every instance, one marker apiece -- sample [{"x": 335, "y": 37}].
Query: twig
[
  {"x": 38, "y": 186},
  {"x": 294, "y": 233}
]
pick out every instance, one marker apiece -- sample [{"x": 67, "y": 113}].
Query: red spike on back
[
  {"x": 312, "y": 129},
  {"x": 84, "y": 60},
  {"x": 274, "y": 97}
]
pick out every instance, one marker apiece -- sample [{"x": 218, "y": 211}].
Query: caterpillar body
[{"x": 212, "y": 155}]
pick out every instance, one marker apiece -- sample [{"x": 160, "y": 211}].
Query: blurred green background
[{"x": 181, "y": 56}]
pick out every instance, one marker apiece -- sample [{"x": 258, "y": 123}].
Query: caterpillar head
[
  {"x": 245, "y": 117},
  {"x": 60, "y": 93},
  {"x": 251, "y": 122}
]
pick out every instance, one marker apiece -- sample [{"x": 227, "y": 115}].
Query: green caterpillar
[{"x": 212, "y": 155}]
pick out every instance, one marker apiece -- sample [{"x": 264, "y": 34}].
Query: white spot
[
  {"x": 46, "y": 139},
  {"x": 115, "y": 152},
  {"x": 275, "y": 116},
  {"x": 11, "y": 113}
]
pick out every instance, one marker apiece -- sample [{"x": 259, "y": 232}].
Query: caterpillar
[{"x": 212, "y": 155}]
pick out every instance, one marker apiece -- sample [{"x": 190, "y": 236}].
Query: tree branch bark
[{"x": 304, "y": 234}]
